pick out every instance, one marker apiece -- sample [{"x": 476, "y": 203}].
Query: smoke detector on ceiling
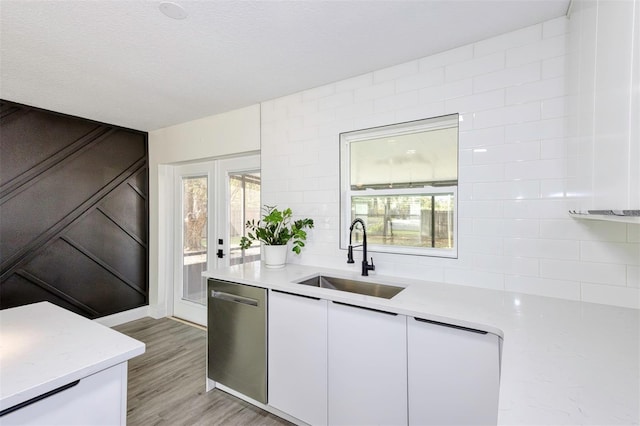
[{"x": 172, "y": 10}]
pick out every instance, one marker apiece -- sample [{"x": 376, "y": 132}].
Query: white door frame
[{"x": 168, "y": 242}]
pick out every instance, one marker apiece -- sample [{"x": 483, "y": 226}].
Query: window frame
[{"x": 346, "y": 193}]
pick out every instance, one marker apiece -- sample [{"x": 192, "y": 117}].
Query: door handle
[
  {"x": 233, "y": 298},
  {"x": 220, "y": 254}
]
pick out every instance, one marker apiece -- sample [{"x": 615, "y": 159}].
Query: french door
[{"x": 214, "y": 199}]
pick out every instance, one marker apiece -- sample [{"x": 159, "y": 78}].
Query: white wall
[
  {"x": 514, "y": 232},
  {"x": 221, "y": 135}
]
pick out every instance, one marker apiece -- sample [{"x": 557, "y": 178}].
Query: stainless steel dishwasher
[{"x": 237, "y": 337}]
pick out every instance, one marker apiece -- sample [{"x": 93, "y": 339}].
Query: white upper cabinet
[{"x": 604, "y": 76}]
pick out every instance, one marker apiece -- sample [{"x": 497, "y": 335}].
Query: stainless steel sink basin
[{"x": 352, "y": 286}]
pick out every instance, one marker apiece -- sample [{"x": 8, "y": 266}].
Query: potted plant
[{"x": 274, "y": 231}]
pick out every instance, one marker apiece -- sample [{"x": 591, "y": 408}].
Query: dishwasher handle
[{"x": 228, "y": 297}]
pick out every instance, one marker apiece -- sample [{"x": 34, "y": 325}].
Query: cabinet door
[
  {"x": 298, "y": 356},
  {"x": 367, "y": 367},
  {"x": 454, "y": 375},
  {"x": 98, "y": 399}
]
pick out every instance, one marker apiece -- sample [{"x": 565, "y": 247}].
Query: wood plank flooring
[{"x": 167, "y": 383}]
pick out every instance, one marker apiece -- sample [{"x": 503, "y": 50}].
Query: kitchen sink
[{"x": 352, "y": 286}]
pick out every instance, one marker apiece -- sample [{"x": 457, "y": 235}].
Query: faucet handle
[{"x": 372, "y": 267}]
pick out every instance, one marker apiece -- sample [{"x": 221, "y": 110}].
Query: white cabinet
[
  {"x": 98, "y": 399},
  {"x": 298, "y": 356},
  {"x": 604, "y": 82},
  {"x": 454, "y": 375},
  {"x": 367, "y": 367}
]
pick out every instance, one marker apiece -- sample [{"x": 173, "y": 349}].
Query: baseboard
[
  {"x": 157, "y": 312},
  {"x": 122, "y": 317}
]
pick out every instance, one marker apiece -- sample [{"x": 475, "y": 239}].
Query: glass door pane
[
  {"x": 244, "y": 205},
  {"x": 194, "y": 238}
]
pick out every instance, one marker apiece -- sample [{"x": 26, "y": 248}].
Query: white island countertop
[
  {"x": 563, "y": 362},
  {"x": 43, "y": 347}
]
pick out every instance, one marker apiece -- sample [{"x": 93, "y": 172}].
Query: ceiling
[{"x": 125, "y": 63}]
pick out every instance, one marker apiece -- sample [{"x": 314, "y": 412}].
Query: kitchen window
[{"x": 402, "y": 180}]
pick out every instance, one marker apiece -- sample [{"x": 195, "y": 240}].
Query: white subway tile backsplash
[
  {"x": 481, "y": 137},
  {"x": 395, "y": 102},
  {"x": 535, "y": 91},
  {"x": 506, "y": 191},
  {"x": 417, "y": 81},
  {"x": 515, "y": 168},
  {"x": 553, "y": 67},
  {"x": 503, "y": 42},
  {"x": 465, "y": 157},
  {"x": 302, "y": 133},
  {"x": 270, "y": 114},
  {"x": 562, "y": 289},
  {"x": 421, "y": 111},
  {"x": 633, "y": 276},
  {"x": 547, "y": 48},
  {"x": 370, "y": 93},
  {"x": 489, "y": 262},
  {"x": 555, "y": 27},
  {"x": 499, "y": 154},
  {"x": 611, "y": 295},
  {"x": 482, "y": 244},
  {"x": 621, "y": 253},
  {"x": 521, "y": 266},
  {"x": 478, "y": 102},
  {"x": 506, "y": 78},
  {"x": 536, "y": 169},
  {"x": 336, "y": 100},
  {"x": 603, "y": 273},
  {"x": 493, "y": 227},
  {"x": 473, "y": 67},
  {"x": 507, "y": 115},
  {"x": 482, "y": 173},
  {"x": 354, "y": 110},
  {"x": 553, "y": 148},
  {"x": 446, "y": 91},
  {"x": 316, "y": 93},
  {"x": 374, "y": 120},
  {"x": 528, "y": 209},
  {"x": 318, "y": 118},
  {"x": 542, "y": 248},
  {"x": 543, "y": 129},
  {"x": 573, "y": 229},
  {"x": 476, "y": 209},
  {"x": 425, "y": 272},
  {"x": 553, "y": 188},
  {"x": 475, "y": 278},
  {"x": 521, "y": 228}
]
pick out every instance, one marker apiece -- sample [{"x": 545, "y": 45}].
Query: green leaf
[{"x": 275, "y": 228}]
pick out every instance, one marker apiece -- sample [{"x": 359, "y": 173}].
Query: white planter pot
[{"x": 275, "y": 256}]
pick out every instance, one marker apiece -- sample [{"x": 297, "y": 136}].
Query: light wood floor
[{"x": 167, "y": 383}]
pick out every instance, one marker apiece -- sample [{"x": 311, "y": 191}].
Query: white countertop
[
  {"x": 43, "y": 347},
  {"x": 563, "y": 362}
]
